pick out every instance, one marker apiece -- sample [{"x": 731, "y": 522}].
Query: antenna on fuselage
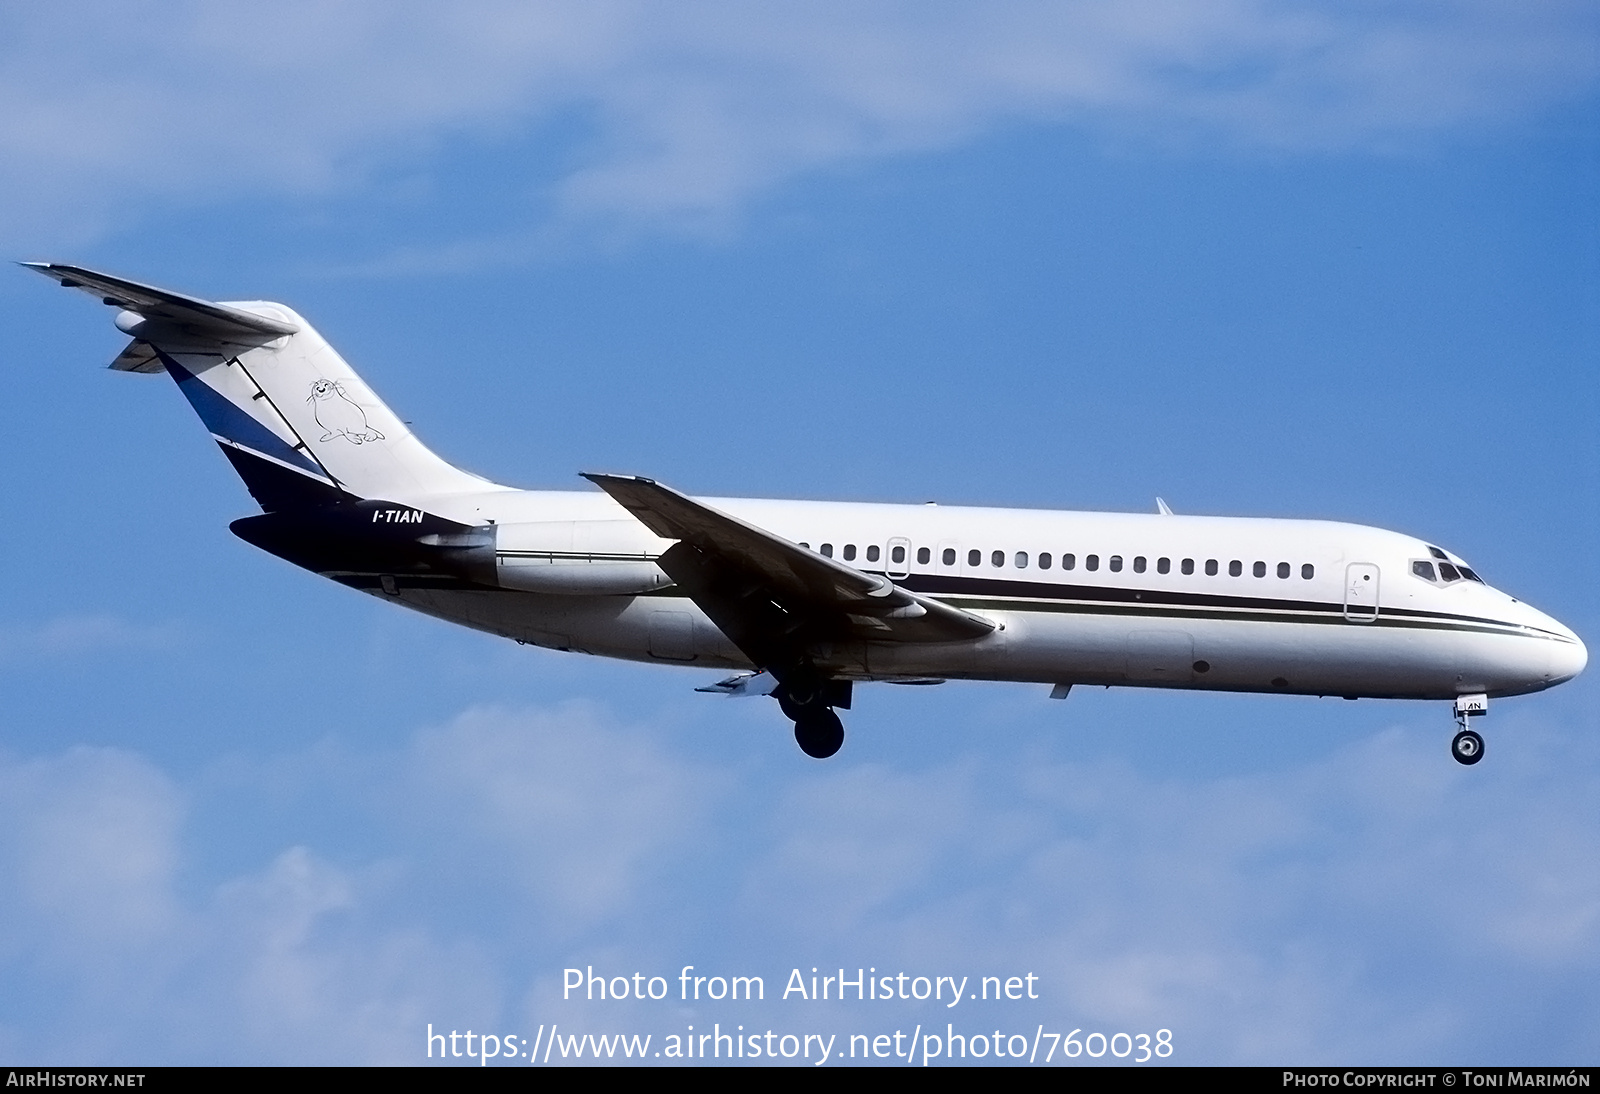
[{"x": 1163, "y": 508}]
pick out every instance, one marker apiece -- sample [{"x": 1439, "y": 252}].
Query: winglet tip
[
  {"x": 599, "y": 478},
  {"x": 62, "y": 275}
]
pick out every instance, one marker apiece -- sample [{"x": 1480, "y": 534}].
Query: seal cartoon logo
[{"x": 337, "y": 415}]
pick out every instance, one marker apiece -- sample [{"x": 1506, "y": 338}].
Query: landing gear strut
[
  {"x": 809, "y": 704},
  {"x": 1467, "y": 747}
]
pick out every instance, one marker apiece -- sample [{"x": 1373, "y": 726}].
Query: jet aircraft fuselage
[{"x": 807, "y": 598}]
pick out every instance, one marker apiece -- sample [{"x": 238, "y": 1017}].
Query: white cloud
[
  {"x": 298, "y": 968},
  {"x": 303, "y": 960},
  {"x": 1352, "y": 907},
  {"x": 695, "y": 108},
  {"x": 89, "y": 849},
  {"x": 79, "y": 635},
  {"x": 108, "y": 959},
  {"x": 577, "y": 813},
  {"x": 1349, "y": 909}
]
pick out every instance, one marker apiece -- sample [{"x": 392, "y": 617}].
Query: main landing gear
[
  {"x": 819, "y": 733},
  {"x": 809, "y": 704},
  {"x": 1467, "y": 747}
]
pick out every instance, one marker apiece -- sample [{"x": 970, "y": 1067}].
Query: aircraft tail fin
[{"x": 293, "y": 418}]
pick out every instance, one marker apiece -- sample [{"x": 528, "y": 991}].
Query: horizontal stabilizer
[
  {"x": 200, "y": 317},
  {"x": 139, "y": 356},
  {"x": 293, "y": 418}
]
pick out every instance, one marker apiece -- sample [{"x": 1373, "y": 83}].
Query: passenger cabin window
[
  {"x": 849, "y": 552},
  {"x": 949, "y": 556},
  {"x": 1021, "y": 560},
  {"x": 1187, "y": 566},
  {"x": 1283, "y": 569},
  {"x": 897, "y": 554},
  {"x": 1138, "y": 565},
  {"x": 974, "y": 558},
  {"x": 998, "y": 558},
  {"x": 1235, "y": 568},
  {"x": 1163, "y": 565},
  {"x": 1259, "y": 569},
  {"x": 874, "y": 553},
  {"x": 1308, "y": 571},
  {"x": 807, "y": 546},
  {"x": 923, "y": 555},
  {"x": 1068, "y": 561},
  {"x": 1091, "y": 562},
  {"x": 1116, "y": 564},
  {"x": 1211, "y": 567},
  {"x": 1044, "y": 560},
  {"x": 827, "y": 550}
]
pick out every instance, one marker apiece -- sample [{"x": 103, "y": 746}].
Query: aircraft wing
[
  {"x": 767, "y": 593},
  {"x": 197, "y": 316}
]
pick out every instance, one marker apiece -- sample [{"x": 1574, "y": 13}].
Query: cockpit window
[{"x": 1449, "y": 572}]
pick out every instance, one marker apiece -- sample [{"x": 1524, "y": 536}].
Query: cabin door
[{"x": 1361, "y": 592}]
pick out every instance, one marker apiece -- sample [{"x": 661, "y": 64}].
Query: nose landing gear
[{"x": 1467, "y": 747}]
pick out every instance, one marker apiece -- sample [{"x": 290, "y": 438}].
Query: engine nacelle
[{"x": 579, "y": 558}]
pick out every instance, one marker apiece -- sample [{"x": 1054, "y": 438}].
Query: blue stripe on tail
[
  {"x": 276, "y": 488},
  {"x": 227, "y": 421}
]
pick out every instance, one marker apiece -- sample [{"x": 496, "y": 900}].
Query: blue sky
[{"x": 1264, "y": 258}]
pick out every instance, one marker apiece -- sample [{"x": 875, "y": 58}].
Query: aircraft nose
[
  {"x": 1548, "y": 653},
  {"x": 1565, "y": 654},
  {"x": 1568, "y": 659}
]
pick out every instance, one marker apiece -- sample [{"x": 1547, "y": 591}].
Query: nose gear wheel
[{"x": 1467, "y": 747}]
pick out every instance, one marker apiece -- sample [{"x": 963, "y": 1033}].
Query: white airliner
[{"x": 803, "y": 599}]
